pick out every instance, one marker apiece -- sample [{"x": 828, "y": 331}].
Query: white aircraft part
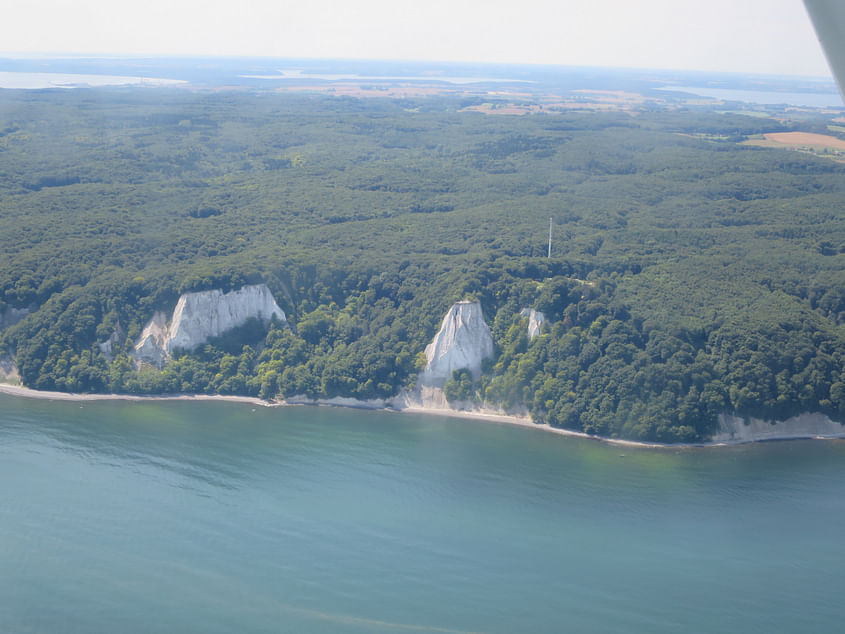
[{"x": 828, "y": 17}]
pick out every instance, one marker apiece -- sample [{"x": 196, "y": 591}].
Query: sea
[
  {"x": 828, "y": 99},
  {"x": 163, "y": 516}
]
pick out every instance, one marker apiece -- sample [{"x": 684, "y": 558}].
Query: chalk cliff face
[
  {"x": 735, "y": 429},
  {"x": 108, "y": 346},
  {"x": 535, "y": 321},
  {"x": 8, "y": 370},
  {"x": 11, "y": 316},
  {"x": 151, "y": 345},
  {"x": 199, "y": 316},
  {"x": 463, "y": 341}
]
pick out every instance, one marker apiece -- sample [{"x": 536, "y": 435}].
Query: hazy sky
[{"x": 764, "y": 36}]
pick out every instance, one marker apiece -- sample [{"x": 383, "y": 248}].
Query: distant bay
[
  {"x": 811, "y": 99},
  {"x": 216, "y": 517},
  {"x": 38, "y": 81}
]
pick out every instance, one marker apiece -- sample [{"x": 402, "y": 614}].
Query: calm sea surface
[
  {"x": 813, "y": 99},
  {"x": 219, "y": 517}
]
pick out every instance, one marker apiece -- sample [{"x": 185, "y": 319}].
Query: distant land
[{"x": 550, "y": 87}]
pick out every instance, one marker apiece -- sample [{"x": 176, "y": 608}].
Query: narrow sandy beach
[
  {"x": 488, "y": 417},
  {"x": 520, "y": 421},
  {"x": 19, "y": 390}
]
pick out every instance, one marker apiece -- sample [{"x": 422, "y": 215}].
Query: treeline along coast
[{"x": 691, "y": 275}]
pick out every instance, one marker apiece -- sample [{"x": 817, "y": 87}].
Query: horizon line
[{"x": 46, "y": 55}]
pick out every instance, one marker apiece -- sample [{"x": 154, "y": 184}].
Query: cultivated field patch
[{"x": 798, "y": 140}]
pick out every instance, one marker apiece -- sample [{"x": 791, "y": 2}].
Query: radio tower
[{"x": 550, "y": 237}]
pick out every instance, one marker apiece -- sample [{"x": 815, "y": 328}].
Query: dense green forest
[{"x": 690, "y": 275}]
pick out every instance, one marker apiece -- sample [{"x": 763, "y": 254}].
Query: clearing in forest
[{"x": 798, "y": 140}]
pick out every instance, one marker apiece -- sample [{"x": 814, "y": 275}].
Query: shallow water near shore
[{"x": 220, "y": 517}]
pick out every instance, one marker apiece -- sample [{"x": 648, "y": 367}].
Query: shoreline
[
  {"x": 27, "y": 392},
  {"x": 527, "y": 423},
  {"x": 481, "y": 416}
]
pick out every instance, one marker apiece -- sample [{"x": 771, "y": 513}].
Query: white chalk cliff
[
  {"x": 535, "y": 321},
  {"x": 11, "y": 316},
  {"x": 737, "y": 429},
  {"x": 200, "y": 316},
  {"x": 151, "y": 346},
  {"x": 463, "y": 342},
  {"x": 108, "y": 346},
  {"x": 8, "y": 370}
]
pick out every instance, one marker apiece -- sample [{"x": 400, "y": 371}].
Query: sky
[{"x": 748, "y": 36}]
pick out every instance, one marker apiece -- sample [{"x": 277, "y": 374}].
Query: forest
[{"x": 690, "y": 275}]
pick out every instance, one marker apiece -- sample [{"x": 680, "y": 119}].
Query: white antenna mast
[{"x": 550, "y": 237}]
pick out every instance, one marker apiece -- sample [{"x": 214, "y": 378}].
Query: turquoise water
[{"x": 219, "y": 517}]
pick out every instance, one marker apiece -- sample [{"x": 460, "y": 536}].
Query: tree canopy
[{"x": 690, "y": 274}]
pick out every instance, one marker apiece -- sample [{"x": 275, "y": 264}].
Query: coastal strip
[
  {"x": 487, "y": 416},
  {"x": 477, "y": 415},
  {"x": 19, "y": 390}
]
